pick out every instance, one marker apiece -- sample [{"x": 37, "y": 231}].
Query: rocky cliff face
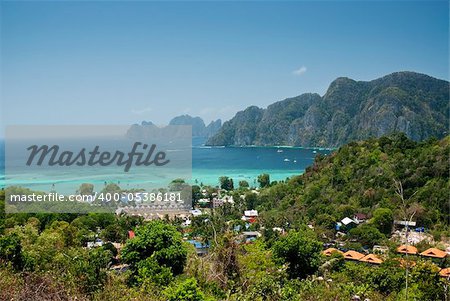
[
  {"x": 212, "y": 128},
  {"x": 408, "y": 102}
]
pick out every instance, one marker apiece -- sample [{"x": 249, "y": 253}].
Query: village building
[
  {"x": 200, "y": 247},
  {"x": 434, "y": 253},
  {"x": 250, "y": 236},
  {"x": 372, "y": 259},
  {"x": 405, "y": 249},
  {"x": 346, "y": 224},
  {"x": 330, "y": 251},
  {"x": 360, "y": 218},
  {"x": 250, "y": 216},
  {"x": 380, "y": 249},
  {"x": 353, "y": 255},
  {"x": 403, "y": 224}
]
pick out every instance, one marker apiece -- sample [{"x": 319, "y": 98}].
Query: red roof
[
  {"x": 353, "y": 255},
  {"x": 360, "y": 216},
  {"x": 131, "y": 234},
  {"x": 329, "y": 251},
  {"x": 433, "y": 252},
  {"x": 407, "y": 249},
  {"x": 371, "y": 258}
]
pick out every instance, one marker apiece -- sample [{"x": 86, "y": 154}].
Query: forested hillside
[{"x": 363, "y": 176}]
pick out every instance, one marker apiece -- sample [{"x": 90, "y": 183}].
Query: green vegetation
[
  {"x": 46, "y": 256},
  {"x": 300, "y": 252},
  {"x": 226, "y": 183},
  {"x": 264, "y": 180},
  {"x": 361, "y": 178},
  {"x": 157, "y": 248}
]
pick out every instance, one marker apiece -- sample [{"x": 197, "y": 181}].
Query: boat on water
[
  {"x": 286, "y": 160},
  {"x": 279, "y": 151},
  {"x": 314, "y": 152}
]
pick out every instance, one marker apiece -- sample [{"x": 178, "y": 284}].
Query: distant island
[
  {"x": 408, "y": 102},
  {"x": 199, "y": 129}
]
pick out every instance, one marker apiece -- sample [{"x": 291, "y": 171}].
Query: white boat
[
  {"x": 279, "y": 151},
  {"x": 314, "y": 152},
  {"x": 286, "y": 160},
  {"x": 295, "y": 161}
]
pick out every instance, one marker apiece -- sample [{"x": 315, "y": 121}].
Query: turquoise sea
[
  {"x": 246, "y": 163},
  {"x": 208, "y": 164}
]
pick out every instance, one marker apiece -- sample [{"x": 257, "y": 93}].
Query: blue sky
[{"x": 123, "y": 62}]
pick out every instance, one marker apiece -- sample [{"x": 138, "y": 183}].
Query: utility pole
[{"x": 399, "y": 192}]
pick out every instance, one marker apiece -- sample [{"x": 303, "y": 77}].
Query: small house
[
  {"x": 196, "y": 212},
  {"x": 404, "y": 224},
  {"x": 371, "y": 258},
  {"x": 404, "y": 249},
  {"x": 330, "y": 251},
  {"x": 346, "y": 224},
  {"x": 434, "y": 253},
  {"x": 250, "y": 216},
  {"x": 250, "y": 236},
  {"x": 360, "y": 217},
  {"x": 380, "y": 249},
  {"x": 200, "y": 248},
  {"x": 353, "y": 255}
]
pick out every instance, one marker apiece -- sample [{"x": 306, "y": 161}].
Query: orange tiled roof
[
  {"x": 407, "y": 249},
  {"x": 353, "y": 255},
  {"x": 329, "y": 251},
  {"x": 445, "y": 272},
  {"x": 371, "y": 258},
  {"x": 433, "y": 252}
]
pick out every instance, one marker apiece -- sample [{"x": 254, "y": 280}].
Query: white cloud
[
  {"x": 300, "y": 71},
  {"x": 141, "y": 111}
]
